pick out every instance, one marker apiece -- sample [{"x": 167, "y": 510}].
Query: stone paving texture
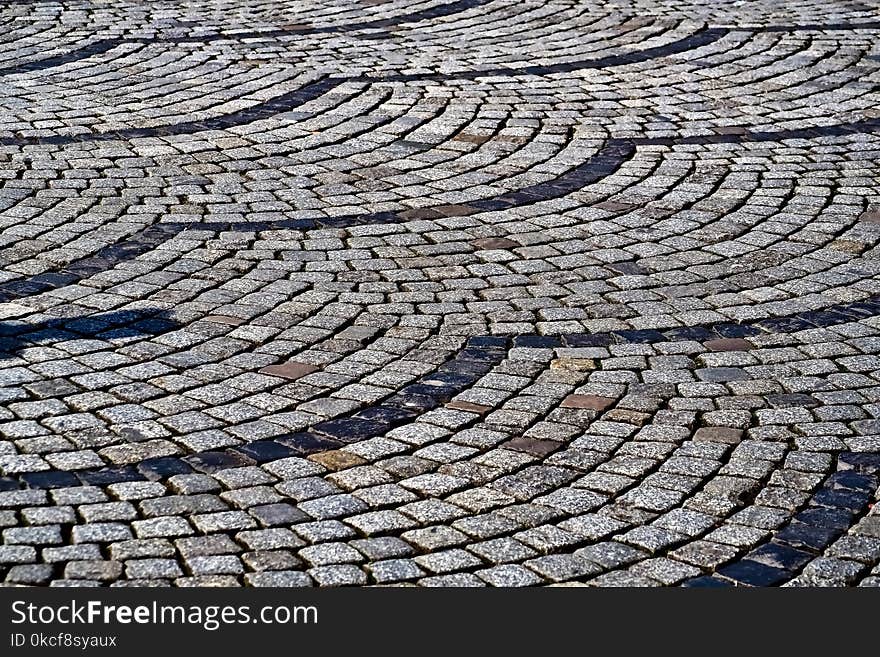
[{"x": 482, "y": 292}]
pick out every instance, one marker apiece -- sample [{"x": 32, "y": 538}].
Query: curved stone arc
[
  {"x": 703, "y": 37},
  {"x": 294, "y": 99},
  {"x": 476, "y": 358},
  {"x": 436, "y": 11},
  {"x": 815, "y": 27},
  {"x": 604, "y": 163},
  {"x": 613, "y": 155},
  {"x": 749, "y": 195},
  {"x": 105, "y": 45},
  {"x": 841, "y": 500},
  {"x": 279, "y": 104},
  {"x": 91, "y": 50},
  {"x": 837, "y": 130}
]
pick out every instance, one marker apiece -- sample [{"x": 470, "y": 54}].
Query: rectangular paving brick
[
  {"x": 468, "y": 407},
  {"x": 729, "y": 344},
  {"x": 872, "y": 215},
  {"x": 291, "y": 370},
  {"x": 472, "y": 139},
  {"x": 592, "y": 402},
  {"x": 494, "y": 243},
  {"x": 726, "y": 435},
  {"x": 532, "y": 446},
  {"x": 455, "y": 210},
  {"x": 224, "y": 319},
  {"x": 337, "y": 460}
]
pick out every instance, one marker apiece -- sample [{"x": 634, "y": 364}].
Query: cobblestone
[{"x": 452, "y": 294}]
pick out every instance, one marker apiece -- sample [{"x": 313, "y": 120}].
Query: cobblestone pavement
[{"x": 479, "y": 292}]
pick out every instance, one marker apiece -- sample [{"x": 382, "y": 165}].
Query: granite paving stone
[{"x": 448, "y": 293}]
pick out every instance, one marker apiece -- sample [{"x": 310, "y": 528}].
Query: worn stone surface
[{"x": 444, "y": 293}]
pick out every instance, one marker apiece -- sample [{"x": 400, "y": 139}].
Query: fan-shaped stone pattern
[{"x": 477, "y": 293}]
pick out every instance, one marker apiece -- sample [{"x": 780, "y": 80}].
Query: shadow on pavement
[{"x": 118, "y": 325}]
